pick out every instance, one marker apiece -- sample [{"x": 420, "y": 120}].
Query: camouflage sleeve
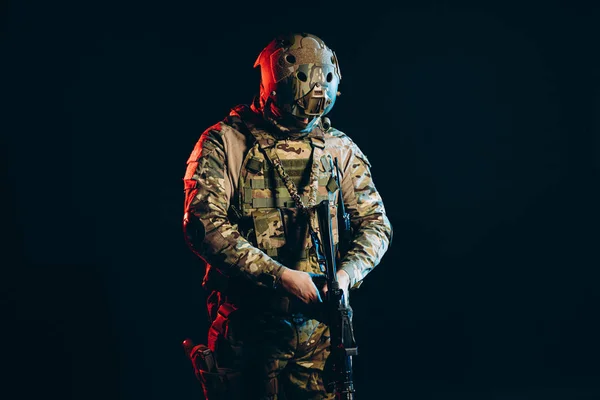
[
  {"x": 371, "y": 227},
  {"x": 209, "y": 232}
]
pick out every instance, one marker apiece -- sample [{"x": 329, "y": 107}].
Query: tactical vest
[{"x": 277, "y": 227}]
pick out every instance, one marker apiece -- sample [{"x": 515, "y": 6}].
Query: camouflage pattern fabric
[
  {"x": 281, "y": 357},
  {"x": 215, "y": 181},
  {"x": 247, "y": 228}
]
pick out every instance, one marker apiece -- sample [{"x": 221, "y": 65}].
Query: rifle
[
  {"x": 344, "y": 228},
  {"x": 343, "y": 345}
]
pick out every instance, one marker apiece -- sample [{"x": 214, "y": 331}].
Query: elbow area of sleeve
[
  {"x": 235, "y": 256},
  {"x": 193, "y": 230}
]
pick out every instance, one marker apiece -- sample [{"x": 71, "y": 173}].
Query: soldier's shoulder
[
  {"x": 230, "y": 127},
  {"x": 238, "y": 118},
  {"x": 338, "y": 140},
  {"x": 233, "y": 123}
]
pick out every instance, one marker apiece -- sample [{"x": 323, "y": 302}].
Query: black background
[{"x": 481, "y": 122}]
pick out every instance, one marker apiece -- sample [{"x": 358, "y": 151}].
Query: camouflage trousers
[{"x": 279, "y": 356}]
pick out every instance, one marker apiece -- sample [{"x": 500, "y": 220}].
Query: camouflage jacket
[{"x": 214, "y": 184}]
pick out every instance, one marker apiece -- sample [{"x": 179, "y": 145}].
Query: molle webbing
[
  {"x": 280, "y": 182},
  {"x": 277, "y": 182},
  {"x": 278, "y": 253},
  {"x": 279, "y": 202},
  {"x": 270, "y": 179}
]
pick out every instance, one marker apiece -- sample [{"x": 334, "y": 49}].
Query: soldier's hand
[
  {"x": 301, "y": 285},
  {"x": 343, "y": 281}
]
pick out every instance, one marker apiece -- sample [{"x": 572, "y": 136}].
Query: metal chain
[
  {"x": 309, "y": 212},
  {"x": 291, "y": 187}
]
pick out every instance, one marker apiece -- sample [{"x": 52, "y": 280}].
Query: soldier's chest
[
  {"x": 262, "y": 186},
  {"x": 278, "y": 228}
]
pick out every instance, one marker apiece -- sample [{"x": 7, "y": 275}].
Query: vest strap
[{"x": 279, "y": 202}]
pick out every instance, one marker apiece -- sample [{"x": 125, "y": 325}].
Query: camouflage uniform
[
  {"x": 244, "y": 211},
  {"x": 241, "y": 219}
]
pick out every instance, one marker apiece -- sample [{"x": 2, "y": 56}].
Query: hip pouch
[
  {"x": 222, "y": 384},
  {"x": 217, "y": 383}
]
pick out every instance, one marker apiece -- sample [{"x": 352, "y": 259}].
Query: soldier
[{"x": 251, "y": 183}]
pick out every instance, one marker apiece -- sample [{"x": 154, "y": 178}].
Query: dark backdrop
[{"x": 481, "y": 122}]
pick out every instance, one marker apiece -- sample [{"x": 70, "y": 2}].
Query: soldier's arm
[
  {"x": 208, "y": 230},
  {"x": 371, "y": 227}
]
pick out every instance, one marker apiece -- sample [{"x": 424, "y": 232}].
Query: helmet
[{"x": 299, "y": 80}]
